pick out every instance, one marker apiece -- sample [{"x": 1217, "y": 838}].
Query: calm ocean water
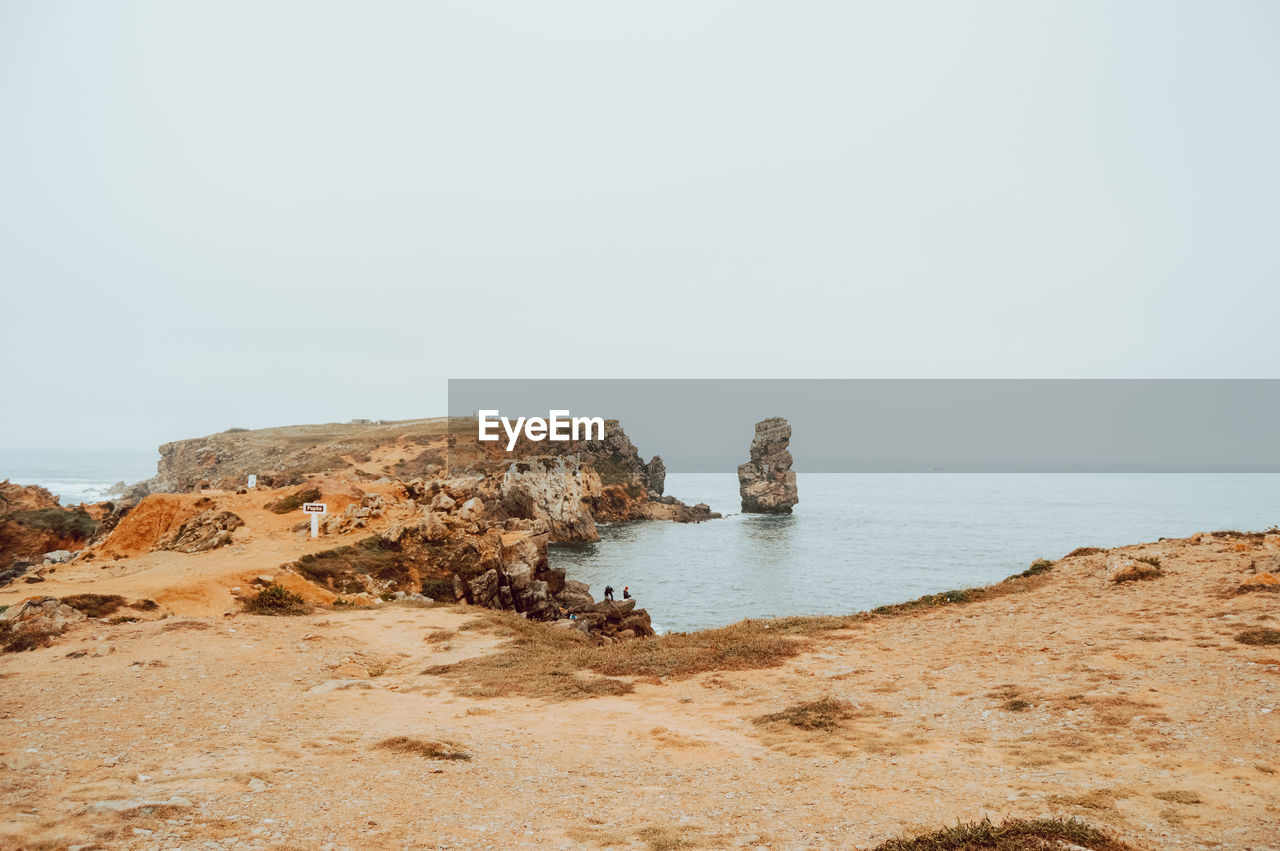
[
  {"x": 858, "y": 541},
  {"x": 854, "y": 542},
  {"x": 76, "y": 476}
]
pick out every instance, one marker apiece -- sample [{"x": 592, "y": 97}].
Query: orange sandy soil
[
  {"x": 1145, "y": 716},
  {"x": 201, "y": 584}
]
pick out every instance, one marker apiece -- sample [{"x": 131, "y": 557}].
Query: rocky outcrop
[
  {"x": 767, "y": 483},
  {"x": 206, "y": 531},
  {"x": 32, "y": 523},
  {"x": 558, "y": 490},
  {"x": 614, "y": 620},
  {"x": 34, "y": 622},
  {"x": 655, "y": 473}
]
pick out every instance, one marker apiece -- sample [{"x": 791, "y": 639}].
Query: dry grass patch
[
  {"x": 155, "y": 811},
  {"x": 825, "y": 714},
  {"x": 1098, "y": 799},
  {"x": 1259, "y": 636},
  {"x": 1011, "y": 835},
  {"x": 552, "y": 662},
  {"x": 669, "y": 837},
  {"x": 828, "y": 727},
  {"x": 429, "y": 748},
  {"x": 1178, "y": 796},
  {"x": 174, "y": 626},
  {"x": 94, "y": 605},
  {"x": 22, "y": 640}
]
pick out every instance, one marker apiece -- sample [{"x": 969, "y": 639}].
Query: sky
[{"x": 244, "y": 214}]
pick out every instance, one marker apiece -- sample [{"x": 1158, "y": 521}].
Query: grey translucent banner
[{"x": 943, "y": 425}]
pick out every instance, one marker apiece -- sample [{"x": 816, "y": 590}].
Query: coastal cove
[{"x": 857, "y": 541}]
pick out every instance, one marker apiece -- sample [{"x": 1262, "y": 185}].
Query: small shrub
[
  {"x": 1259, "y": 636},
  {"x": 1154, "y": 561},
  {"x": 1039, "y": 566},
  {"x": 293, "y": 501},
  {"x": 1017, "y": 706},
  {"x": 275, "y": 599},
  {"x": 119, "y": 619},
  {"x": 1084, "y": 551},
  {"x": 94, "y": 605},
  {"x": 20, "y": 641},
  {"x": 438, "y": 589},
  {"x": 1178, "y": 796},
  {"x": 428, "y": 748},
  {"x": 144, "y": 605}
]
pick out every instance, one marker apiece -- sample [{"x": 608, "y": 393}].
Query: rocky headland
[{"x": 417, "y": 509}]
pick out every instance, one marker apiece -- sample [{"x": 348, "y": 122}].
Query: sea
[
  {"x": 854, "y": 542},
  {"x": 77, "y": 476},
  {"x": 857, "y": 541}
]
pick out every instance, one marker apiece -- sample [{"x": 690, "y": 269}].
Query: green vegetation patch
[
  {"x": 63, "y": 522},
  {"x": 1039, "y": 566},
  {"x": 275, "y": 599},
  {"x": 373, "y": 556},
  {"x": 293, "y": 501}
]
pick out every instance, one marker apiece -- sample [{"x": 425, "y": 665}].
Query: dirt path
[{"x": 1132, "y": 706}]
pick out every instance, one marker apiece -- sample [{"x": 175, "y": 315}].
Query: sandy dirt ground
[{"x": 1132, "y": 706}]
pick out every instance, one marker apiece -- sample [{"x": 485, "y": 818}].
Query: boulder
[
  {"x": 572, "y": 601},
  {"x": 555, "y": 579},
  {"x": 482, "y": 590},
  {"x": 433, "y": 528},
  {"x": 638, "y": 622},
  {"x": 520, "y": 576},
  {"x": 615, "y": 608},
  {"x": 472, "y": 510},
  {"x": 766, "y": 483},
  {"x": 443, "y": 503},
  {"x": 41, "y": 615},
  {"x": 577, "y": 587}
]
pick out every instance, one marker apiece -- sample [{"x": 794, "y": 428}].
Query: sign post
[
  {"x": 315, "y": 509},
  {"x": 253, "y": 480}
]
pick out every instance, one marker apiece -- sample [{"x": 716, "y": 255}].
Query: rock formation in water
[{"x": 766, "y": 482}]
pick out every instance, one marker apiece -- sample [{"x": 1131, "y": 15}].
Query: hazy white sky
[{"x": 248, "y": 214}]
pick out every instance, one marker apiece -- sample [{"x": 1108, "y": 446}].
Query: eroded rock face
[
  {"x": 655, "y": 475},
  {"x": 206, "y": 531},
  {"x": 767, "y": 483},
  {"x": 558, "y": 490}
]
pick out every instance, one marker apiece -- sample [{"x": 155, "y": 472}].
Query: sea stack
[{"x": 767, "y": 482}]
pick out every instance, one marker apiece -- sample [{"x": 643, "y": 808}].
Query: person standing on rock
[
  {"x": 608, "y": 593},
  {"x": 626, "y": 592}
]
